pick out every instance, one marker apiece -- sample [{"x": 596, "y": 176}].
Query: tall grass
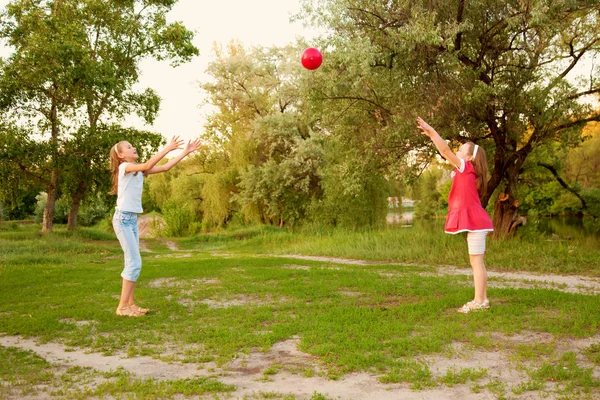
[{"x": 424, "y": 243}]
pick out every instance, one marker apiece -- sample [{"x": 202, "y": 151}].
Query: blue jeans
[{"x": 126, "y": 228}]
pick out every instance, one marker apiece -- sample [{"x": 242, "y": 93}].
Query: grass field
[{"x": 219, "y": 299}]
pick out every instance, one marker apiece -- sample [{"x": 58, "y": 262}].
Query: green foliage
[
  {"x": 541, "y": 190},
  {"x": 93, "y": 210},
  {"x": 267, "y": 159},
  {"x": 426, "y": 192},
  {"x": 217, "y": 204},
  {"x": 178, "y": 218},
  {"x": 491, "y": 72},
  {"x": 18, "y": 152},
  {"x": 354, "y": 194},
  {"x": 72, "y": 65},
  {"x": 281, "y": 188},
  {"x": 61, "y": 209},
  {"x": 583, "y": 163},
  {"x": 592, "y": 199}
]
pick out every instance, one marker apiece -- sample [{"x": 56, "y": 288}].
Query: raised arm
[
  {"x": 189, "y": 148},
  {"x": 439, "y": 143},
  {"x": 174, "y": 144}
]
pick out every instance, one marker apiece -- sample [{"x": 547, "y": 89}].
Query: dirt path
[
  {"x": 564, "y": 283},
  {"x": 246, "y": 373}
]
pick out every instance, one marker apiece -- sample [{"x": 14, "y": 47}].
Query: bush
[
  {"x": 178, "y": 219},
  {"x": 355, "y": 196},
  {"x": 592, "y": 200},
  {"x": 61, "y": 209},
  {"x": 91, "y": 211}
]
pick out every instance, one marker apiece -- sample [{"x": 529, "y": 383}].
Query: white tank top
[{"x": 129, "y": 193}]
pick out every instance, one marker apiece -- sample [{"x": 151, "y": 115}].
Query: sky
[{"x": 251, "y": 22}]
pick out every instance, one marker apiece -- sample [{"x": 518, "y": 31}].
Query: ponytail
[
  {"x": 479, "y": 161},
  {"x": 115, "y": 161}
]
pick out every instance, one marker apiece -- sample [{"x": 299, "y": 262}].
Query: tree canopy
[
  {"x": 498, "y": 73},
  {"x": 73, "y": 66}
]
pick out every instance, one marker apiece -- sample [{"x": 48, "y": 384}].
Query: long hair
[
  {"x": 481, "y": 167},
  {"x": 115, "y": 161}
]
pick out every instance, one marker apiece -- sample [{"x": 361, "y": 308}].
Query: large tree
[
  {"x": 499, "y": 73},
  {"x": 262, "y": 134},
  {"x": 86, "y": 175},
  {"x": 75, "y": 62}
]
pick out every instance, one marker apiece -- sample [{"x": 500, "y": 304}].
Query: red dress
[{"x": 465, "y": 213}]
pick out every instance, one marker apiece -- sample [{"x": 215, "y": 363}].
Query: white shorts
[{"x": 476, "y": 241}]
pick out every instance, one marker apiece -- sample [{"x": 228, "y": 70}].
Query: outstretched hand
[
  {"x": 424, "y": 126},
  {"x": 174, "y": 144},
  {"x": 192, "y": 146}
]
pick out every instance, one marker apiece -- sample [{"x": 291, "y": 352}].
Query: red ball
[{"x": 311, "y": 58}]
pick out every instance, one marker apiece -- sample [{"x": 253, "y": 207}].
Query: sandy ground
[{"x": 247, "y": 372}]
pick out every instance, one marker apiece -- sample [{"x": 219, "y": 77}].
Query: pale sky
[{"x": 251, "y": 22}]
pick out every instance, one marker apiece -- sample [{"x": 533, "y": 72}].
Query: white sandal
[{"x": 474, "y": 306}]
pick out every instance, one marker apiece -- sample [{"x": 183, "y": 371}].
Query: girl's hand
[
  {"x": 174, "y": 144},
  {"x": 425, "y": 127},
  {"x": 192, "y": 146}
]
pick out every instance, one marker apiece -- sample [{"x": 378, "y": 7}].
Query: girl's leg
[
  {"x": 126, "y": 293},
  {"x": 136, "y": 245},
  {"x": 125, "y": 225},
  {"x": 476, "y": 242},
  {"x": 479, "y": 277}
]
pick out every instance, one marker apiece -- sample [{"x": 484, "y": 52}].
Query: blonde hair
[
  {"x": 480, "y": 165},
  {"x": 115, "y": 161}
]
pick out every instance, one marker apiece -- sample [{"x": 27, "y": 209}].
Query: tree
[
  {"x": 267, "y": 158},
  {"x": 86, "y": 174},
  {"x": 498, "y": 73},
  {"x": 75, "y": 62},
  {"x": 18, "y": 199}
]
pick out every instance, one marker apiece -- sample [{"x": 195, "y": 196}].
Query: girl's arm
[
  {"x": 174, "y": 144},
  {"x": 439, "y": 143},
  {"x": 191, "y": 147}
]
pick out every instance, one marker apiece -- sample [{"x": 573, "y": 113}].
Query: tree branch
[
  {"x": 575, "y": 123},
  {"x": 577, "y": 95},
  {"x": 563, "y": 183},
  {"x": 459, "y": 19},
  {"x": 359, "y": 99},
  {"x": 576, "y": 58},
  {"x": 32, "y": 175}
]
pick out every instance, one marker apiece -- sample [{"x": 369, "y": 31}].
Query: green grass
[
  {"x": 382, "y": 319},
  {"x": 425, "y": 243}
]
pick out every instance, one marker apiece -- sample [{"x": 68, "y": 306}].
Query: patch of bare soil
[
  {"x": 170, "y": 244},
  {"x": 247, "y": 373},
  {"x": 149, "y": 224}
]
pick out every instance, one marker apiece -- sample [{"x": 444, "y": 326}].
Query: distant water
[
  {"x": 405, "y": 218},
  {"x": 563, "y": 227}
]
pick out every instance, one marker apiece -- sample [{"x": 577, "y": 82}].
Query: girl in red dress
[{"x": 465, "y": 213}]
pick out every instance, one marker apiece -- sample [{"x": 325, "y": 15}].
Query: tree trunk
[
  {"x": 77, "y": 198},
  {"x": 49, "y": 209},
  {"x": 506, "y": 216},
  {"x": 53, "y": 187}
]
